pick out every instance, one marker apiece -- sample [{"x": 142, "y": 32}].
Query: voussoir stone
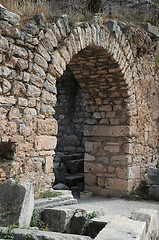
[{"x": 11, "y": 17}]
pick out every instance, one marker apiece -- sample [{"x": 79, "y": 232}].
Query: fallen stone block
[
  {"x": 154, "y": 191},
  {"x": 66, "y": 198},
  {"x": 121, "y": 228},
  {"x": 58, "y": 219},
  {"x": 16, "y": 203},
  {"x": 78, "y": 222},
  {"x": 153, "y": 176},
  {"x": 27, "y": 234},
  {"x": 151, "y": 218}
]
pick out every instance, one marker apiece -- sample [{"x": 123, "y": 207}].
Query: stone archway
[
  {"x": 119, "y": 87},
  {"x": 108, "y": 125}
]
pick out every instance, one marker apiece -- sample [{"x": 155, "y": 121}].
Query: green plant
[
  {"x": 16, "y": 179},
  {"x": 91, "y": 215},
  {"x": 36, "y": 221},
  {"x": 48, "y": 194},
  {"x": 9, "y": 234}
]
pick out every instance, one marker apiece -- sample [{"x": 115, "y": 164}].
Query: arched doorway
[{"x": 101, "y": 101}]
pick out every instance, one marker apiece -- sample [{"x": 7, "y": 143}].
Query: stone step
[
  {"x": 75, "y": 166},
  {"x": 73, "y": 180},
  {"x": 62, "y": 200},
  {"x": 65, "y": 158}
]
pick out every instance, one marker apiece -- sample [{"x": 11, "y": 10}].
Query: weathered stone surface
[
  {"x": 153, "y": 176},
  {"x": 58, "y": 219},
  {"x": 6, "y": 86},
  {"x": 47, "y": 127},
  {"x": 22, "y": 64},
  {"x": 65, "y": 198},
  {"x": 30, "y": 112},
  {"x": 14, "y": 113},
  {"x": 40, "y": 19},
  {"x": 151, "y": 218},
  {"x": 45, "y": 142},
  {"x": 31, "y": 28},
  {"x": 23, "y": 130},
  {"x": 123, "y": 228},
  {"x": 21, "y": 52},
  {"x": 24, "y": 233},
  {"x": 40, "y": 61},
  {"x": 106, "y": 131},
  {"x": 41, "y": 50},
  {"x": 51, "y": 37},
  {"x": 37, "y": 81},
  {"x": 60, "y": 186},
  {"x": 48, "y": 167},
  {"x": 9, "y": 16},
  {"x": 8, "y": 100},
  {"x": 22, "y": 102},
  {"x": 18, "y": 89},
  {"x": 16, "y": 203},
  {"x": 154, "y": 191},
  {"x": 47, "y": 110},
  {"x": 48, "y": 98},
  {"x": 3, "y": 44},
  {"x": 33, "y": 91},
  {"x": 78, "y": 221},
  {"x": 152, "y": 30},
  {"x": 4, "y": 71},
  {"x": 50, "y": 87},
  {"x": 39, "y": 71}
]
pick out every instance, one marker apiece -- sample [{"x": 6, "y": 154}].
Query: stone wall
[
  {"x": 70, "y": 115},
  {"x": 114, "y": 65}
]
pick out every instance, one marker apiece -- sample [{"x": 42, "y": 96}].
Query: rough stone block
[
  {"x": 153, "y": 176},
  {"x": 45, "y": 142},
  {"x": 16, "y": 203},
  {"x": 85, "y": 195},
  {"x": 134, "y": 172},
  {"x": 154, "y": 191},
  {"x": 122, "y": 228},
  {"x": 151, "y": 218},
  {"x": 78, "y": 222},
  {"x": 107, "y": 131},
  {"x": 24, "y": 234},
  {"x": 58, "y": 219},
  {"x": 48, "y": 167},
  {"x": 47, "y": 126}
]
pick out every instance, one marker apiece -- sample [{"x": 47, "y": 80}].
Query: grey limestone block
[{"x": 16, "y": 203}]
